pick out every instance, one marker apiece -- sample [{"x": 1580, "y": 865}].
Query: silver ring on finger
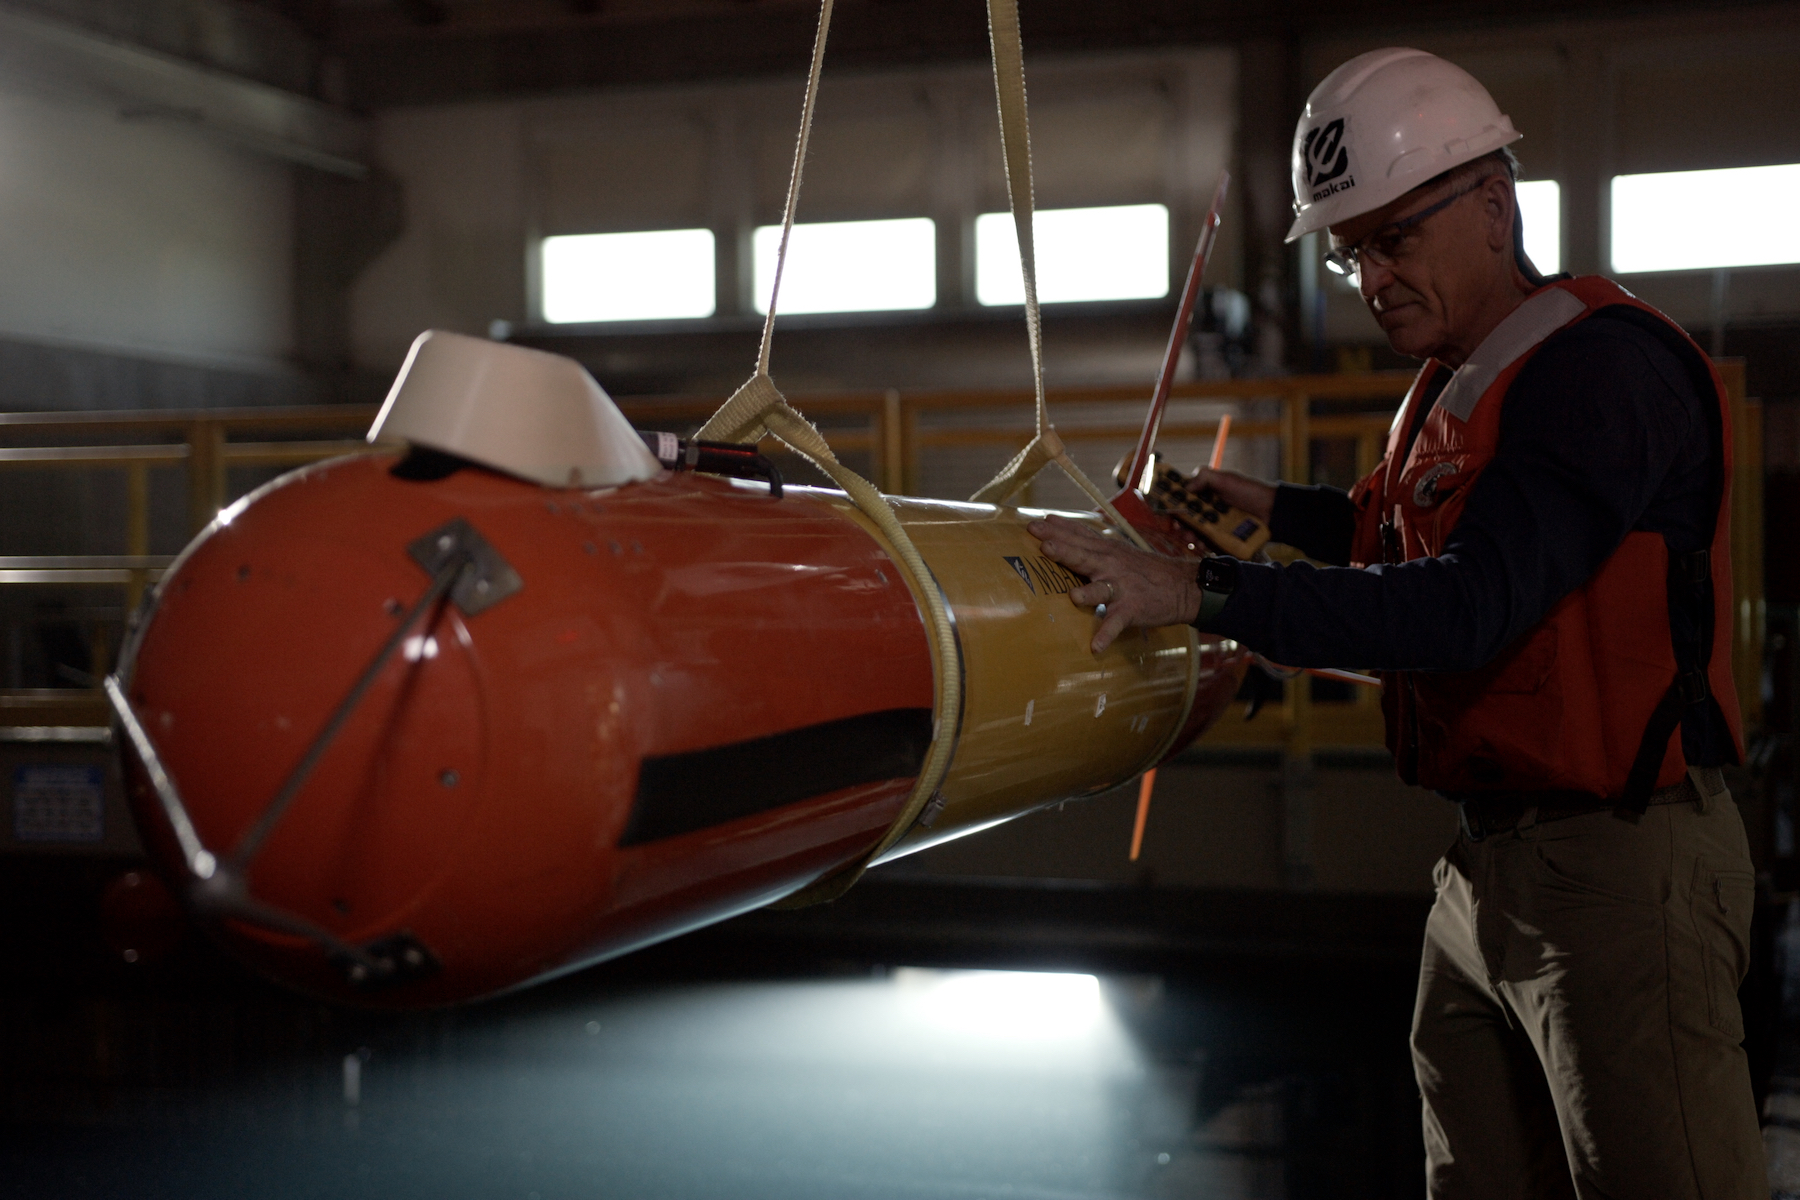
[{"x": 1112, "y": 593}]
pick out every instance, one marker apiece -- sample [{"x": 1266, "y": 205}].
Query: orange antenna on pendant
[{"x": 1218, "y": 454}]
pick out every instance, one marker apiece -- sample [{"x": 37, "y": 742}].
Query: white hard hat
[{"x": 1382, "y": 124}]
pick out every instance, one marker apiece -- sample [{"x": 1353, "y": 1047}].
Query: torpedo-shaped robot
[
  {"x": 533, "y": 691},
  {"x": 418, "y": 727}
]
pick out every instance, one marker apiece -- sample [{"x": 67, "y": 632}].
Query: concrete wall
[
  {"x": 1595, "y": 98},
  {"x": 248, "y": 40},
  {"x": 141, "y": 265},
  {"x": 140, "y": 238},
  {"x": 484, "y": 182},
  {"x": 459, "y": 263}
]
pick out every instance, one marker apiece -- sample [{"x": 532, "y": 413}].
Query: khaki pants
[{"x": 1577, "y": 1030}]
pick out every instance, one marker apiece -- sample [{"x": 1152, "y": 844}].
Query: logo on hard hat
[{"x": 1326, "y": 156}]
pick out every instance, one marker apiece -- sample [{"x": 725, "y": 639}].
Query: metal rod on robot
[
  {"x": 239, "y": 859},
  {"x": 1209, "y": 232}
]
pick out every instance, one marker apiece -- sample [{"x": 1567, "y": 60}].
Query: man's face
[{"x": 1427, "y": 281}]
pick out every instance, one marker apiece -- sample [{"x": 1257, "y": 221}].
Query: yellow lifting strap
[
  {"x": 1045, "y": 446},
  {"x": 758, "y": 407}
]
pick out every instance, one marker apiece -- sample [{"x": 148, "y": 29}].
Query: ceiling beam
[
  {"x": 489, "y": 49},
  {"x": 76, "y": 64}
]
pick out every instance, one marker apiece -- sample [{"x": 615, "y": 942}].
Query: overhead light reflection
[
  {"x": 1005, "y": 1005},
  {"x": 229, "y": 513}
]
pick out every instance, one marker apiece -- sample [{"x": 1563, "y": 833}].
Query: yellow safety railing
[
  {"x": 895, "y": 428},
  {"x": 203, "y": 444}
]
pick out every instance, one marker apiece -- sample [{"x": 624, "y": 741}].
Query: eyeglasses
[{"x": 1387, "y": 245}]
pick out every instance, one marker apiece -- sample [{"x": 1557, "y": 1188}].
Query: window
[
  {"x": 1690, "y": 220},
  {"x": 1540, "y": 203},
  {"x": 1115, "y": 253},
  {"x": 850, "y": 266},
  {"x": 660, "y": 275}
]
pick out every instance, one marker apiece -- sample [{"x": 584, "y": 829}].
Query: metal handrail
[
  {"x": 884, "y": 423},
  {"x": 179, "y": 420}
]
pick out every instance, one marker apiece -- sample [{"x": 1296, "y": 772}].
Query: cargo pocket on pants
[{"x": 1721, "y": 904}]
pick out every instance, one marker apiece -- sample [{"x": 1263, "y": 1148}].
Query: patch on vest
[{"x": 1425, "y": 491}]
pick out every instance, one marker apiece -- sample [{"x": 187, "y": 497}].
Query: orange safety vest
[{"x": 1590, "y": 699}]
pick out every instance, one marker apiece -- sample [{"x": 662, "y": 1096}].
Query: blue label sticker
[{"x": 58, "y": 802}]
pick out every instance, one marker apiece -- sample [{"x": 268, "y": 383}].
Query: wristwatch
[{"x": 1218, "y": 578}]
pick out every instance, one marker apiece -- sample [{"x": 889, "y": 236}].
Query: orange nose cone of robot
[{"x": 626, "y": 713}]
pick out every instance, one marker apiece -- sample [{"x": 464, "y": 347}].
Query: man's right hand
[{"x": 1243, "y": 493}]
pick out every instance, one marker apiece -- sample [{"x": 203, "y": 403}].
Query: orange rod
[
  {"x": 1218, "y": 455},
  {"x": 1143, "y": 812}
]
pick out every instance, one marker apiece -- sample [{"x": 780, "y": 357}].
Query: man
[{"x": 1539, "y": 568}]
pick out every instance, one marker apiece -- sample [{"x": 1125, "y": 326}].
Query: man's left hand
[{"x": 1136, "y": 586}]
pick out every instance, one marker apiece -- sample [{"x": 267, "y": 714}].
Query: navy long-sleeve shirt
[{"x": 1603, "y": 433}]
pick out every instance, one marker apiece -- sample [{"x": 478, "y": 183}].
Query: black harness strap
[
  {"x": 1692, "y": 574},
  {"x": 1690, "y": 579}
]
